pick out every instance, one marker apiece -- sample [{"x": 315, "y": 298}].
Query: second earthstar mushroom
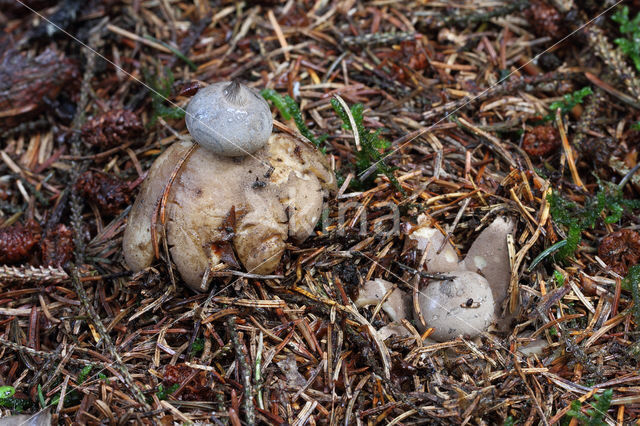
[
  {"x": 469, "y": 302},
  {"x": 218, "y": 203}
]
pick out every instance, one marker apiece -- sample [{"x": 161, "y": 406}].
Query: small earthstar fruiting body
[
  {"x": 443, "y": 306},
  {"x": 229, "y": 119},
  {"x": 224, "y": 202},
  {"x": 440, "y": 255},
  {"x": 397, "y": 305}
]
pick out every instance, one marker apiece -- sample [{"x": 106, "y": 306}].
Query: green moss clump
[
  {"x": 630, "y": 45},
  {"x": 609, "y": 200},
  {"x": 568, "y": 102},
  {"x": 161, "y": 90},
  {"x": 372, "y": 145},
  {"x": 289, "y": 109},
  {"x": 593, "y": 416}
]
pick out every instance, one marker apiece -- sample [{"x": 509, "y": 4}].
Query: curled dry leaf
[{"x": 26, "y": 81}]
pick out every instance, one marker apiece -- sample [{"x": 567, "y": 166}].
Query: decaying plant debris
[{"x": 461, "y": 101}]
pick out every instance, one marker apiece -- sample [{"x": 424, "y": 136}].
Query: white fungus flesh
[
  {"x": 260, "y": 193},
  {"x": 229, "y": 119},
  {"x": 440, "y": 256},
  {"x": 397, "y": 305},
  {"x": 462, "y": 305},
  {"x": 393, "y": 329},
  {"x": 489, "y": 256}
]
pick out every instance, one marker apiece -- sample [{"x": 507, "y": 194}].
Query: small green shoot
[
  {"x": 593, "y": 416},
  {"x": 164, "y": 393},
  {"x": 559, "y": 278},
  {"x": 509, "y": 421},
  {"x": 568, "y": 102},
  {"x": 630, "y": 45},
  {"x": 7, "y": 399},
  {"x": 84, "y": 373},
  {"x": 73, "y": 396},
  {"x": 278, "y": 101},
  {"x": 636, "y": 126},
  {"x": 547, "y": 252},
  {"x": 197, "y": 347},
  {"x": 161, "y": 91},
  {"x": 289, "y": 108},
  {"x": 371, "y": 143},
  {"x": 41, "y": 400}
]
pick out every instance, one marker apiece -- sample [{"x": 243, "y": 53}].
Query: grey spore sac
[{"x": 229, "y": 119}]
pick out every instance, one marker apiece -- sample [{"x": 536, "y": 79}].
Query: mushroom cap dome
[
  {"x": 229, "y": 119},
  {"x": 461, "y": 305}
]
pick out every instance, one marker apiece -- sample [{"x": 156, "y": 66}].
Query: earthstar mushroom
[{"x": 221, "y": 204}]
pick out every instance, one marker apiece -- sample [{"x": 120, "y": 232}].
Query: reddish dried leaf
[
  {"x": 18, "y": 241},
  {"x": 620, "y": 250},
  {"x": 108, "y": 193},
  {"x": 541, "y": 140},
  {"x": 112, "y": 128},
  {"x": 545, "y": 19},
  {"x": 26, "y": 81},
  {"x": 57, "y": 246},
  {"x": 411, "y": 55},
  {"x": 197, "y": 389}
]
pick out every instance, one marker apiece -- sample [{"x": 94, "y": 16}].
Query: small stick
[
  {"x": 279, "y": 33},
  {"x": 567, "y": 151},
  {"x": 160, "y": 210},
  {"x": 128, "y": 34},
  {"x": 423, "y": 274},
  {"x": 245, "y": 371},
  {"x": 352, "y": 121},
  {"x": 126, "y": 375}
]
